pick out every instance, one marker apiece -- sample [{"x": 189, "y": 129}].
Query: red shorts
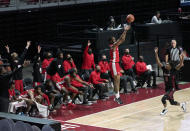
[{"x": 114, "y": 68}]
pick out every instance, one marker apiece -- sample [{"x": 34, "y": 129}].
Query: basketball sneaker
[
  {"x": 164, "y": 112},
  {"x": 118, "y": 100},
  {"x": 183, "y": 106}
]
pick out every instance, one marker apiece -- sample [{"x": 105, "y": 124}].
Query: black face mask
[
  {"x": 97, "y": 70},
  {"x": 49, "y": 56},
  {"x": 69, "y": 58},
  {"x": 89, "y": 52},
  {"x": 127, "y": 53},
  {"x": 141, "y": 60}
]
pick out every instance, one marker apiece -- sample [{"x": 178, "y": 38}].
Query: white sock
[
  {"x": 117, "y": 95},
  {"x": 70, "y": 101}
]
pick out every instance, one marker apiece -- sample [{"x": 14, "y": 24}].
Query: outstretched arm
[
  {"x": 22, "y": 57},
  {"x": 81, "y": 81},
  {"x": 157, "y": 58},
  {"x": 122, "y": 37},
  {"x": 87, "y": 47},
  {"x": 9, "y": 56},
  {"x": 38, "y": 55}
]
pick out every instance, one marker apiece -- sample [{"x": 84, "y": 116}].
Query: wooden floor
[{"x": 142, "y": 116}]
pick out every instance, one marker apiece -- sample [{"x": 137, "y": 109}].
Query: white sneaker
[
  {"x": 164, "y": 111},
  {"x": 183, "y": 106},
  {"x": 134, "y": 82}
]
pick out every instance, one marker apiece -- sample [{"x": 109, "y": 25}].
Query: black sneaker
[
  {"x": 92, "y": 100},
  {"x": 87, "y": 103},
  {"x": 154, "y": 86},
  {"x": 107, "y": 97},
  {"x": 148, "y": 86},
  {"x": 118, "y": 100},
  {"x": 177, "y": 88},
  {"x": 102, "y": 97},
  {"x": 134, "y": 90},
  {"x": 164, "y": 111}
]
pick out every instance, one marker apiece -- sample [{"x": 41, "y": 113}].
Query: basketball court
[{"x": 140, "y": 112}]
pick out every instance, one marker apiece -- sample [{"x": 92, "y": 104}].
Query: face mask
[
  {"x": 98, "y": 70},
  {"x": 49, "y": 56},
  {"x": 89, "y": 52},
  {"x": 127, "y": 53},
  {"x": 103, "y": 59},
  {"x": 141, "y": 60},
  {"x": 69, "y": 58}
]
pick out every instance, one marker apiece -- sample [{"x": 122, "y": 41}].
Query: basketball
[{"x": 130, "y": 18}]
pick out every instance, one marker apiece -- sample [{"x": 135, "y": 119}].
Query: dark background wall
[{"x": 41, "y": 25}]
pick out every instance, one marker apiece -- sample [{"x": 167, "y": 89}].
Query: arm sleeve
[
  {"x": 44, "y": 64},
  {"x": 10, "y": 60},
  {"x": 86, "y": 50},
  {"x": 123, "y": 61},
  {"x": 93, "y": 64},
  {"x": 22, "y": 57},
  {"x": 36, "y": 59},
  {"x": 102, "y": 80},
  {"x": 167, "y": 51},
  {"x": 73, "y": 65},
  {"x": 94, "y": 80},
  {"x": 46, "y": 98},
  {"x": 66, "y": 68}
]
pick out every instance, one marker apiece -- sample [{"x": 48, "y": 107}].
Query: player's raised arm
[
  {"x": 157, "y": 58},
  {"x": 122, "y": 37}
]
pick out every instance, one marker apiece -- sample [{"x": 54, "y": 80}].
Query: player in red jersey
[{"x": 114, "y": 62}]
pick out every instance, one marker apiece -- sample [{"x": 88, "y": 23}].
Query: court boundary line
[
  {"x": 96, "y": 125},
  {"x": 123, "y": 105}
]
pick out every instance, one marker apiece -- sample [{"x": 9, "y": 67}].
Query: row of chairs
[{"x": 10, "y": 125}]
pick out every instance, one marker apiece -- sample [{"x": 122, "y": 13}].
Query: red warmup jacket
[
  {"x": 140, "y": 67},
  {"x": 45, "y": 64},
  {"x": 56, "y": 78},
  {"x": 104, "y": 66},
  {"x": 95, "y": 78},
  {"x": 127, "y": 62},
  {"x": 68, "y": 65},
  {"x": 76, "y": 83},
  {"x": 12, "y": 93},
  {"x": 69, "y": 88},
  {"x": 88, "y": 60},
  {"x": 44, "y": 96}
]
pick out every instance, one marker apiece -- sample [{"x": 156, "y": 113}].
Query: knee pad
[{"x": 164, "y": 98}]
